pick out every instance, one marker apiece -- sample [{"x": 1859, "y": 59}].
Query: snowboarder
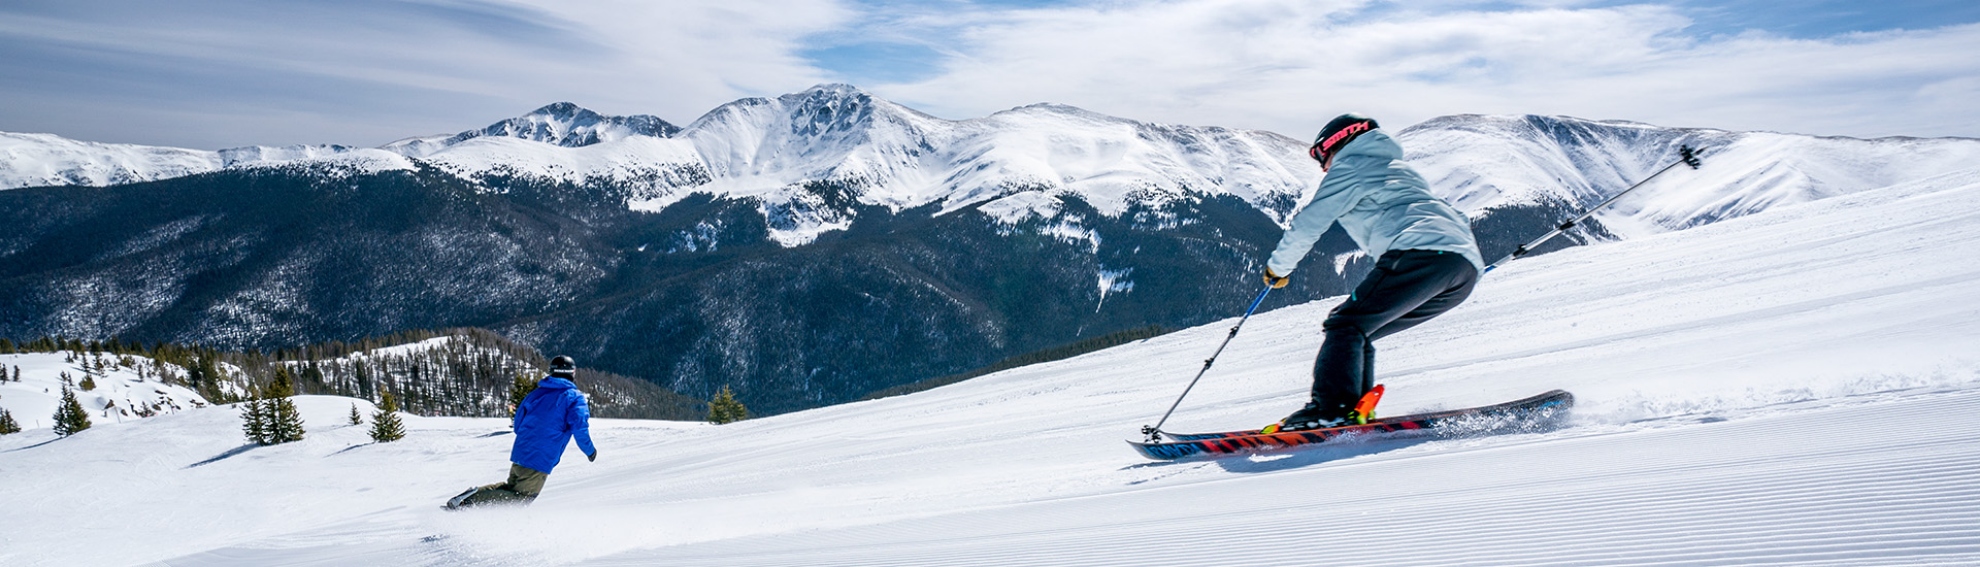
[
  {"x": 545, "y": 422},
  {"x": 1426, "y": 260}
]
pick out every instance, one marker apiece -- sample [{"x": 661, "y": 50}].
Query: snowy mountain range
[
  {"x": 1483, "y": 162},
  {"x": 1020, "y": 161},
  {"x": 792, "y": 246}
]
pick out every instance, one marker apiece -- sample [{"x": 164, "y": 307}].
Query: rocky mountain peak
[{"x": 569, "y": 125}]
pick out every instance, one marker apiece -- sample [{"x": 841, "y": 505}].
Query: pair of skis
[{"x": 1528, "y": 413}]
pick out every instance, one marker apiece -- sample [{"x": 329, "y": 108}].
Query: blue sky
[
  {"x": 222, "y": 73},
  {"x": 862, "y": 61}
]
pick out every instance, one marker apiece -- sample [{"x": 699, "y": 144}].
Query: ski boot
[
  {"x": 1316, "y": 416},
  {"x": 1313, "y": 416}
]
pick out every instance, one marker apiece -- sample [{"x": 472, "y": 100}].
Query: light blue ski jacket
[
  {"x": 546, "y": 420},
  {"x": 1382, "y": 203}
]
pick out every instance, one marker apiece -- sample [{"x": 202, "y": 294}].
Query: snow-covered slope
[
  {"x": 1794, "y": 387},
  {"x": 1479, "y": 162},
  {"x": 35, "y": 160},
  {"x": 121, "y": 393},
  {"x": 31, "y": 160}
]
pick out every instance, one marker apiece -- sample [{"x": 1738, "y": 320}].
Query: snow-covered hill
[
  {"x": 121, "y": 392},
  {"x": 32, "y": 160},
  {"x": 1794, "y": 387}
]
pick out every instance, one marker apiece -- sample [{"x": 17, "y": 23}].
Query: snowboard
[
  {"x": 485, "y": 496},
  {"x": 1533, "y": 411}
]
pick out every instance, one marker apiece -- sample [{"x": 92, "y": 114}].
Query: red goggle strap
[{"x": 1321, "y": 150}]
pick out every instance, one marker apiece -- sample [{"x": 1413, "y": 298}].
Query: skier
[
  {"x": 1426, "y": 260},
  {"x": 545, "y": 422}
]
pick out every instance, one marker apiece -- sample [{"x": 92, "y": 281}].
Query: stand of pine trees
[
  {"x": 272, "y": 419},
  {"x": 474, "y": 375},
  {"x": 725, "y": 408},
  {"x": 7, "y": 424}
]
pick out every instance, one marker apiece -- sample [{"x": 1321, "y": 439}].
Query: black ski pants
[{"x": 1407, "y": 288}]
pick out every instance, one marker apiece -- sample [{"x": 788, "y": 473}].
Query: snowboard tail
[
  {"x": 487, "y": 496},
  {"x": 1526, "y": 411}
]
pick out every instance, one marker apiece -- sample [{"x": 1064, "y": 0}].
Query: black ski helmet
[
  {"x": 563, "y": 366},
  {"x": 1345, "y": 128}
]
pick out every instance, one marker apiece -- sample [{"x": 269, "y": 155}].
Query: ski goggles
[{"x": 1326, "y": 147}]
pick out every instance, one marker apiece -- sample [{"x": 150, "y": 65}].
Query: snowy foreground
[{"x": 1798, "y": 387}]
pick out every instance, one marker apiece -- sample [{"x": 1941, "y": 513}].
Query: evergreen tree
[
  {"x": 385, "y": 425},
  {"x": 282, "y": 386},
  {"x": 520, "y": 389},
  {"x": 70, "y": 418},
  {"x": 209, "y": 385},
  {"x": 88, "y": 382},
  {"x": 356, "y": 419},
  {"x": 725, "y": 408},
  {"x": 284, "y": 422},
  {"x": 7, "y": 424},
  {"x": 254, "y": 422},
  {"x": 272, "y": 419}
]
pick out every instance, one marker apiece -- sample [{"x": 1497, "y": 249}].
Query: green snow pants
[{"x": 523, "y": 485}]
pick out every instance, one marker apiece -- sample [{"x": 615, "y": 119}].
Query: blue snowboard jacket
[{"x": 546, "y": 420}]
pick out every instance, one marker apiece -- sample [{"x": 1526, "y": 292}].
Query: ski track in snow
[{"x": 1794, "y": 387}]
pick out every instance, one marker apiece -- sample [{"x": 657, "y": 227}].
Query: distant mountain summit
[
  {"x": 561, "y": 124},
  {"x": 572, "y": 126}
]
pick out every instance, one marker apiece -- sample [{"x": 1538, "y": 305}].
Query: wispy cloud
[
  {"x": 213, "y": 73},
  {"x": 1289, "y": 65},
  {"x": 218, "y": 73}
]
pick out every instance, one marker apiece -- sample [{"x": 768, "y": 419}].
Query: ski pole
[
  {"x": 1155, "y": 431},
  {"x": 1686, "y": 155}
]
